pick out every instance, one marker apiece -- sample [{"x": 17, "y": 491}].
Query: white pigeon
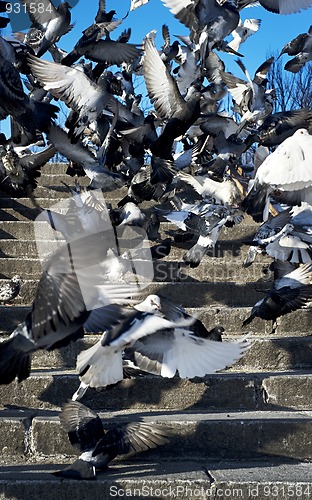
[
  {"x": 243, "y": 31},
  {"x": 102, "y": 364},
  {"x": 156, "y": 348},
  {"x": 226, "y": 192},
  {"x": 286, "y": 174}
]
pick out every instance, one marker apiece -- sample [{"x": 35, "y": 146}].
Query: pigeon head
[
  {"x": 17, "y": 279},
  {"x": 150, "y": 304}
]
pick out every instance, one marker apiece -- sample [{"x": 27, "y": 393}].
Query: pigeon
[
  {"x": 279, "y": 126},
  {"x": 209, "y": 22},
  {"x": 286, "y": 174},
  {"x": 291, "y": 290},
  {"x": 102, "y": 364},
  {"x": 179, "y": 113},
  {"x": 8, "y": 291},
  {"x": 99, "y": 446},
  {"x": 73, "y": 87},
  {"x": 253, "y": 101},
  {"x": 135, "y": 4},
  {"x": 20, "y": 168},
  {"x": 278, "y": 6},
  {"x": 87, "y": 44},
  {"x": 53, "y": 22},
  {"x": 301, "y": 48},
  {"x": 99, "y": 175},
  {"x": 204, "y": 220},
  {"x": 29, "y": 114},
  {"x": 243, "y": 31},
  {"x": 69, "y": 288},
  {"x": 152, "y": 182},
  {"x": 268, "y": 232},
  {"x": 189, "y": 352},
  {"x": 225, "y": 192}
]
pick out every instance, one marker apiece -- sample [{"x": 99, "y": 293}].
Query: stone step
[
  {"x": 20, "y": 204},
  {"x": 60, "y": 191},
  {"x": 53, "y": 168},
  {"x": 278, "y": 352},
  {"x": 231, "y": 318},
  {"x": 19, "y": 214},
  {"x": 281, "y": 353},
  {"x": 245, "y": 435},
  {"x": 25, "y": 230},
  {"x": 46, "y": 389},
  {"x": 57, "y": 179},
  {"x": 212, "y": 269},
  {"x": 174, "y": 478},
  {"x": 187, "y": 293}
]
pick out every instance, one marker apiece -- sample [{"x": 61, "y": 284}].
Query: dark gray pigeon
[
  {"x": 98, "y": 446},
  {"x": 291, "y": 290}
]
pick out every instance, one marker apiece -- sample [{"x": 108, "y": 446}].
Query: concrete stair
[{"x": 243, "y": 433}]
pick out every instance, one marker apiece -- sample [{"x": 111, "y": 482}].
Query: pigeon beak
[{"x": 156, "y": 305}]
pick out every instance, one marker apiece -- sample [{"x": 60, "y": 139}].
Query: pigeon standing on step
[
  {"x": 8, "y": 291},
  {"x": 98, "y": 446}
]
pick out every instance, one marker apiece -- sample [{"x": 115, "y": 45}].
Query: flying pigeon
[
  {"x": 209, "y": 22},
  {"x": 243, "y": 31},
  {"x": 177, "y": 112},
  {"x": 20, "y": 168},
  {"x": 189, "y": 352},
  {"x": 102, "y": 364},
  {"x": 98, "y": 446},
  {"x": 278, "y": 6},
  {"x": 225, "y": 192},
  {"x": 69, "y": 287},
  {"x": 73, "y": 87},
  {"x": 53, "y": 22},
  {"x": 100, "y": 177},
  {"x": 286, "y": 174},
  {"x": 29, "y": 114},
  {"x": 301, "y": 48},
  {"x": 290, "y": 291}
]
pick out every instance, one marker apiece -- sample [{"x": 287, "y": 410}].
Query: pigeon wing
[
  {"x": 83, "y": 426},
  {"x": 68, "y": 84},
  {"x": 161, "y": 86}
]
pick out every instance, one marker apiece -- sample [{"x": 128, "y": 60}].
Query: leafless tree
[{"x": 293, "y": 90}]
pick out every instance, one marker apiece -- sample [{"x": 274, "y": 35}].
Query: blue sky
[{"x": 275, "y": 30}]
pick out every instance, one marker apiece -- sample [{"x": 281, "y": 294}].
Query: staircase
[{"x": 243, "y": 433}]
